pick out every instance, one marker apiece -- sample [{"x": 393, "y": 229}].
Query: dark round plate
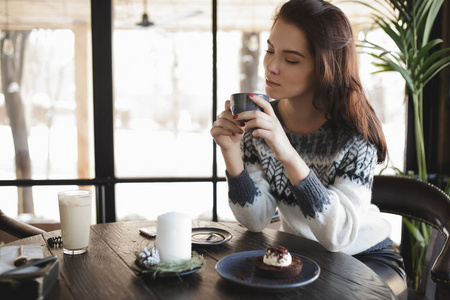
[
  {"x": 239, "y": 268},
  {"x": 207, "y": 236}
]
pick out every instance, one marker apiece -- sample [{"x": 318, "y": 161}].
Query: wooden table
[{"x": 108, "y": 270}]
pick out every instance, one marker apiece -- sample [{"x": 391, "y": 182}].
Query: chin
[{"x": 270, "y": 93}]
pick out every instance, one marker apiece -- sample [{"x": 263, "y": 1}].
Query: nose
[{"x": 271, "y": 65}]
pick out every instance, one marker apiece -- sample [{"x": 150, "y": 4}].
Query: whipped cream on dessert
[{"x": 277, "y": 256}]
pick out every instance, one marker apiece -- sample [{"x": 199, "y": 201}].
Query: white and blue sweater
[{"x": 331, "y": 206}]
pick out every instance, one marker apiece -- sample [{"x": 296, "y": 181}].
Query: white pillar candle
[{"x": 173, "y": 237}]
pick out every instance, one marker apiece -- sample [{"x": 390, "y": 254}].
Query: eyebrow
[{"x": 287, "y": 51}]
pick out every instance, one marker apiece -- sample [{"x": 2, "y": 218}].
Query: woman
[{"x": 311, "y": 154}]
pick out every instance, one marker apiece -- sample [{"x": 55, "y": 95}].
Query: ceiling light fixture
[{"x": 145, "y": 22}]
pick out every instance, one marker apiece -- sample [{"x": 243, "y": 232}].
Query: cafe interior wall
[
  {"x": 83, "y": 95},
  {"x": 443, "y": 115}
]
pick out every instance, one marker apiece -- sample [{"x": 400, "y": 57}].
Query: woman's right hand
[{"x": 226, "y": 131}]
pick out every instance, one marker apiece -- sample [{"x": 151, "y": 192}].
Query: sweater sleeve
[
  {"x": 250, "y": 199},
  {"x": 334, "y": 213}
]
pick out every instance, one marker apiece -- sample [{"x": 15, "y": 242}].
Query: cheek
[
  {"x": 301, "y": 82},
  {"x": 265, "y": 62},
  {"x": 303, "y": 77}
]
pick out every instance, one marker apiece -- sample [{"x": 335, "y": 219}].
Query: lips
[{"x": 271, "y": 83}]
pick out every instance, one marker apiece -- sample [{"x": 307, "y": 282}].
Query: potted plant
[{"x": 418, "y": 59}]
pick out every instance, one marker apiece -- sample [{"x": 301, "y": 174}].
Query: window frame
[
  {"x": 105, "y": 180},
  {"x": 103, "y": 111}
]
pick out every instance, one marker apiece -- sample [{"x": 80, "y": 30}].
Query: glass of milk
[{"x": 75, "y": 217}]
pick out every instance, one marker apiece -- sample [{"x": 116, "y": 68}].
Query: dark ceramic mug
[{"x": 241, "y": 102}]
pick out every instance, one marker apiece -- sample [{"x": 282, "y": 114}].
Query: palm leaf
[
  {"x": 403, "y": 11},
  {"x": 432, "y": 14},
  {"x": 389, "y": 57},
  {"x": 398, "y": 171},
  {"x": 403, "y": 72},
  {"x": 425, "y": 49},
  {"x": 447, "y": 187},
  {"x": 435, "y": 69},
  {"x": 377, "y": 12},
  {"x": 425, "y": 231},
  {"x": 383, "y": 69},
  {"x": 422, "y": 13},
  {"x": 414, "y": 231},
  {"x": 373, "y": 46},
  {"x": 433, "y": 58},
  {"x": 398, "y": 56},
  {"x": 391, "y": 33},
  {"x": 420, "y": 57}
]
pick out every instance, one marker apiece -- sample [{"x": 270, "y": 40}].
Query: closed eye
[{"x": 286, "y": 52}]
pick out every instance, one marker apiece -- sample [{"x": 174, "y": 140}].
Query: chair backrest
[
  {"x": 421, "y": 201},
  {"x": 17, "y": 228}
]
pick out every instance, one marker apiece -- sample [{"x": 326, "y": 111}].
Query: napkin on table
[
  {"x": 9, "y": 253},
  {"x": 31, "y": 281}
]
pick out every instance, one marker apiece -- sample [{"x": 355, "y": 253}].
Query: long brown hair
[{"x": 339, "y": 93}]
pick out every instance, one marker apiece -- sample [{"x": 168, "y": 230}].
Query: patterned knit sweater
[{"x": 331, "y": 206}]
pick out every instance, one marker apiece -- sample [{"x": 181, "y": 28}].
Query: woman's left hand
[{"x": 267, "y": 126}]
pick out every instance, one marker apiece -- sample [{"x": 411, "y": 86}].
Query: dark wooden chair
[
  {"x": 424, "y": 202},
  {"x": 17, "y": 228}
]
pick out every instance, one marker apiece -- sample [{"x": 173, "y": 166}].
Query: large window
[
  {"x": 102, "y": 98},
  {"x": 45, "y": 104},
  {"x": 162, "y": 107}
]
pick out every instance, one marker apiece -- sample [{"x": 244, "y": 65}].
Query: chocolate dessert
[{"x": 277, "y": 263}]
